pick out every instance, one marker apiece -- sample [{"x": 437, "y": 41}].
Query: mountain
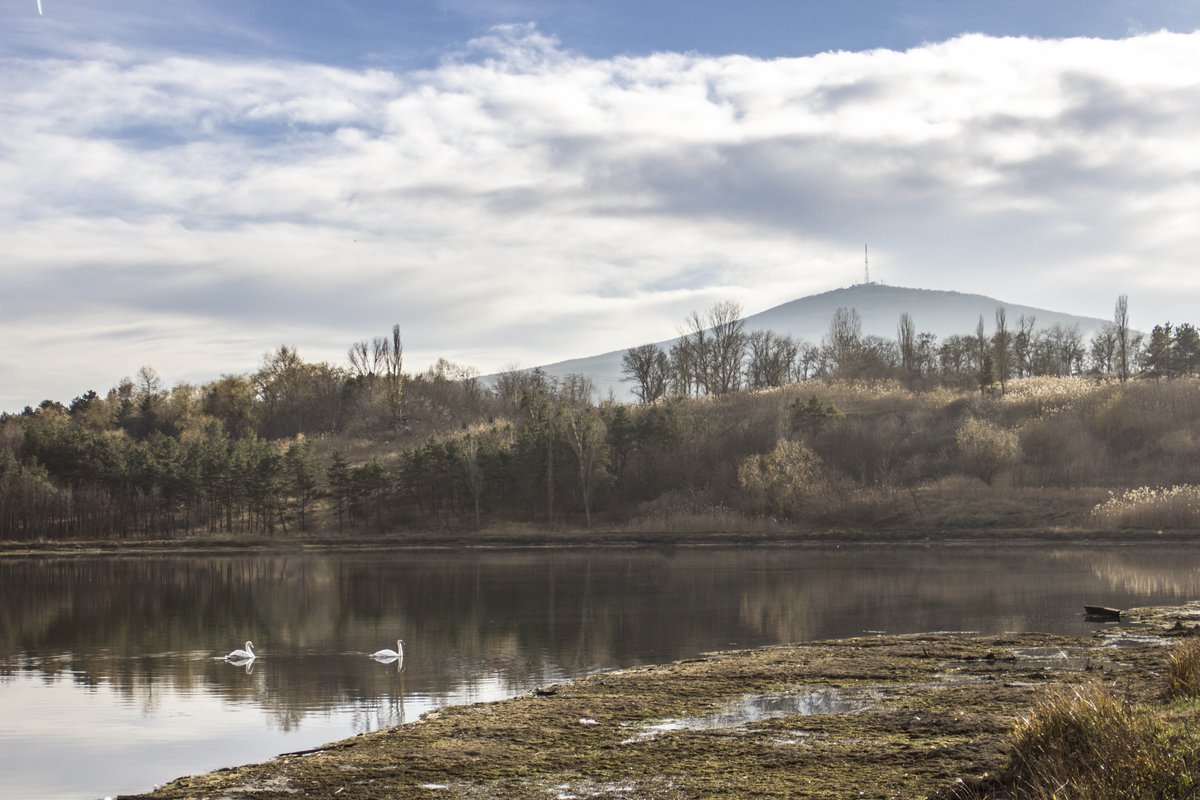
[{"x": 879, "y": 307}]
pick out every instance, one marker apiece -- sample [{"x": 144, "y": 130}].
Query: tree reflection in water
[{"x": 483, "y": 625}]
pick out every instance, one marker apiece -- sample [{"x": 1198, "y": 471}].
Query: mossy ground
[{"x": 933, "y": 708}]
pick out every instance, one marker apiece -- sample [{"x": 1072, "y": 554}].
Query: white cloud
[{"x": 522, "y": 202}]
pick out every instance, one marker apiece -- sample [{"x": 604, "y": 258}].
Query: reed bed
[{"x": 1151, "y": 507}]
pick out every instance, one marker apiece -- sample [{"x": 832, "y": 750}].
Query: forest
[{"x": 1006, "y": 427}]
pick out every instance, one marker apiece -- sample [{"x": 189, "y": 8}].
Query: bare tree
[
  {"x": 648, "y": 368},
  {"x": 728, "y": 349},
  {"x": 1023, "y": 345},
  {"x": 1000, "y": 346},
  {"x": 587, "y": 435},
  {"x": 844, "y": 339},
  {"x": 393, "y": 363},
  {"x": 1121, "y": 324},
  {"x": 771, "y": 359},
  {"x": 906, "y": 340},
  {"x": 1102, "y": 350}
]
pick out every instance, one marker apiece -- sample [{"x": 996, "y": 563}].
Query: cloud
[{"x": 522, "y": 202}]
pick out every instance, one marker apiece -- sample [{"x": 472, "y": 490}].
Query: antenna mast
[{"x": 866, "y": 265}]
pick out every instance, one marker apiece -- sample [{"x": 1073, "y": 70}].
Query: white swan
[
  {"x": 390, "y": 654},
  {"x": 242, "y": 655}
]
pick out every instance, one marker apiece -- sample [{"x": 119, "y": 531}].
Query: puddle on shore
[
  {"x": 1118, "y": 642},
  {"x": 1058, "y": 658},
  {"x": 758, "y": 707}
]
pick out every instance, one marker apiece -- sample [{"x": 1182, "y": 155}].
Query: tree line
[
  {"x": 715, "y": 354},
  {"x": 298, "y": 447}
]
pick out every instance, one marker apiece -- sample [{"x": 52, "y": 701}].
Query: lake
[{"x": 111, "y": 677}]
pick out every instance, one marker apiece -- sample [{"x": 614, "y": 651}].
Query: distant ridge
[{"x": 943, "y": 313}]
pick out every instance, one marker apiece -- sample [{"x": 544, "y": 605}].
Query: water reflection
[
  {"x": 138, "y": 642},
  {"x": 758, "y": 707}
]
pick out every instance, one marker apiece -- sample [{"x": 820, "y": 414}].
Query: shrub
[
  {"x": 1149, "y": 507},
  {"x": 987, "y": 449},
  {"x": 783, "y": 481}
]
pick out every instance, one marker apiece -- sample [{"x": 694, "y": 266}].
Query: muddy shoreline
[
  {"x": 877, "y": 717},
  {"x": 538, "y": 538}
]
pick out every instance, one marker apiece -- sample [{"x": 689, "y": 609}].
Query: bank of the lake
[
  {"x": 878, "y": 717},
  {"x": 523, "y": 536}
]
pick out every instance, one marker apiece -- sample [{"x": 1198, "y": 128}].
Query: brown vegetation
[{"x": 734, "y": 429}]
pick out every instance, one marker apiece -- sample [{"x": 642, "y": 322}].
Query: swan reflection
[{"x": 248, "y": 663}]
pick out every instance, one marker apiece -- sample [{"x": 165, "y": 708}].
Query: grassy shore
[{"x": 876, "y": 717}]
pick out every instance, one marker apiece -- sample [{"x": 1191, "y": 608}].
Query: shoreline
[
  {"x": 872, "y": 716},
  {"x": 595, "y": 538}
]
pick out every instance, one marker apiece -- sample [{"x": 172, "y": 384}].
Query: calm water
[{"x": 112, "y": 665}]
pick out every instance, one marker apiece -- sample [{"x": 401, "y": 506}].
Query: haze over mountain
[{"x": 942, "y": 313}]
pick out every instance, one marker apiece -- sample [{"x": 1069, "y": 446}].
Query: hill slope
[{"x": 939, "y": 312}]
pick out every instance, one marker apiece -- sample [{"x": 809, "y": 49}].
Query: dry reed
[{"x": 1150, "y": 507}]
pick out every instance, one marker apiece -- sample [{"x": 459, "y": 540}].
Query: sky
[{"x": 188, "y": 184}]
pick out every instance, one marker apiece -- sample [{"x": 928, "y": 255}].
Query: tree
[
  {"x": 1102, "y": 350},
  {"x": 906, "y": 340},
  {"x": 297, "y": 397},
  {"x": 771, "y": 359},
  {"x": 844, "y": 339},
  {"x": 301, "y": 466},
  {"x": 1121, "y": 329},
  {"x": 956, "y": 356},
  {"x": 987, "y": 374},
  {"x": 475, "y": 448},
  {"x": 393, "y": 362},
  {"x": 341, "y": 489},
  {"x": 230, "y": 399},
  {"x": 587, "y": 436},
  {"x": 711, "y": 349},
  {"x": 370, "y": 484},
  {"x": 1158, "y": 358},
  {"x": 648, "y": 368},
  {"x": 981, "y": 343},
  {"x": 1001, "y": 340},
  {"x": 728, "y": 348},
  {"x": 468, "y": 446},
  {"x": 1185, "y": 350},
  {"x": 926, "y": 357},
  {"x": 378, "y": 367},
  {"x": 1023, "y": 345}
]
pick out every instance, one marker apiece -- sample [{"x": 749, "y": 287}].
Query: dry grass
[
  {"x": 1085, "y": 744},
  {"x": 1183, "y": 671},
  {"x": 693, "y": 512},
  {"x": 1051, "y": 392},
  {"x": 1150, "y": 507}
]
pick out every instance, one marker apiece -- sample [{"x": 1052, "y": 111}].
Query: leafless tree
[
  {"x": 844, "y": 339},
  {"x": 1001, "y": 340},
  {"x": 906, "y": 340},
  {"x": 1121, "y": 325},
  {"x": 771, "y": 360},
  {"x": 648, "y": 368}
]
